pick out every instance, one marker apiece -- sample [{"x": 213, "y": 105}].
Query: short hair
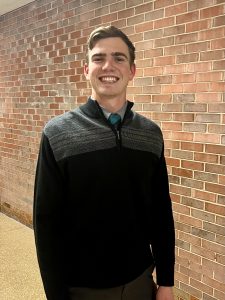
[{"x": 107, "y": 32}]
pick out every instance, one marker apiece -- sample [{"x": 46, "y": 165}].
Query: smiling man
[
  {"x": 109, "y": 70},
  {"x": 102, "y": 210}
]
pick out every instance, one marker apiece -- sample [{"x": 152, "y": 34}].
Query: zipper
[
  {"x": 117, "y": 131},
  {"x": 118, "y": 137}
]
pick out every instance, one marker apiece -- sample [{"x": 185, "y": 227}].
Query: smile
[{"x": 109, "y": 79}]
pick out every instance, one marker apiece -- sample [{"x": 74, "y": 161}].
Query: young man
[{"x": 102, "y": 210}]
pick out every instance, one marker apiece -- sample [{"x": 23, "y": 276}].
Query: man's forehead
[
  {"x": 102, "y": 53},
  {"x": 112, "y": 46}
]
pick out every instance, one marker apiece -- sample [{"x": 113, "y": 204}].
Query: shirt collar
[
  {"x": 120, "y": 112},
  {"x": 92, "y": 109}
]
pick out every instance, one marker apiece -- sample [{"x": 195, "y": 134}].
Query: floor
[{"x": 19, "y": 273}]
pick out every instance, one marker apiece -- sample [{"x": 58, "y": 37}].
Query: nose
[{"x": 108, "y": 64}]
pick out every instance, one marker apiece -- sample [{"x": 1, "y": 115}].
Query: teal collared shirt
[{"x": 120, "y": 112}]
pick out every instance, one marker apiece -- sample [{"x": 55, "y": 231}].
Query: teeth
[{"x": 109, "y": 79}]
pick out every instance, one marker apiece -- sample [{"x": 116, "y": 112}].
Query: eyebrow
[
  {"x": 119, "y": 54},
  {"x": 114, "y": 54}
]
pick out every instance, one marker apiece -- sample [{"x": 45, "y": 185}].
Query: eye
[
  {"x": 97, "y": 59},
  {"x": 119, "y": 59}
]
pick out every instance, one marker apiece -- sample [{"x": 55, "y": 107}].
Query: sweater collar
[
  {"x": 120, "y": 112},
  {"x": 93, "y": 109}
]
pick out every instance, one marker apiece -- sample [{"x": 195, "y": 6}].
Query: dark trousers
[{"x": 142, "y": 288}]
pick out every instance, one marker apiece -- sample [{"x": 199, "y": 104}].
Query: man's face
[{"x": 109, "y": 69}]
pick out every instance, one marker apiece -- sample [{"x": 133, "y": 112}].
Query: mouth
[{"x": 108, "y": 79}]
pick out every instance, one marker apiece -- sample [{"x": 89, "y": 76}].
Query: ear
[
  {"x": 86, "y": 71},
  {"x": 132, "y": 71}
]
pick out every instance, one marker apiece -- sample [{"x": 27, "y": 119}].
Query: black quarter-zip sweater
[{"x": 102, "y": 210}]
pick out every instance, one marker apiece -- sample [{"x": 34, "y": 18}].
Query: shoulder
[
  {"x": 143, "y": 123},
  {"x": 61, "y": 123},
  {"x": 143, "y": 134}
]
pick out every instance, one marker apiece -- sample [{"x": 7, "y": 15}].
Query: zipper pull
[{"x": 118, "y": 134}]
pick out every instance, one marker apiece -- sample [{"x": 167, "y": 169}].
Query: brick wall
[{"x": 179, "y": 84}]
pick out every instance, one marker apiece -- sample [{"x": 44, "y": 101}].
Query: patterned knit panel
[{"x": 75, "y": 133}]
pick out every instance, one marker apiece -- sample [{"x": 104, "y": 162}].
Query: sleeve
[
  {"x": 48, "y": 200},
  {"x": 163, "y": 236}
]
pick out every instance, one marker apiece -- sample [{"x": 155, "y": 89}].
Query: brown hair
[{"x": 107, "y": 32}]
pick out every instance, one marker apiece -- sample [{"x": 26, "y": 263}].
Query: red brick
[
  {"x": 145, "y": 45},
  {"x": 207, "y": 235},
  {"x": 151, "y": 107},
  {"x": 186, "y": 38},
  {"x": 188, "y": 17},
  {"x": 171, "y": 126},
  {"x": 206, "y": 176},
  {"x": 211, "y": 158},
  {"x": 193, "y": 5},
  {"x": 142, "y": 8},
  {"x": 193, "y": 127},
  {"x": 207, "y": 138},
  {"x": 144, "y": 26},
  {"x": 218, "y": 107},
  {"x": 153, "y": 53},
  {"x": 205, "y": 196},
  {"x": 176, "y": 9},
  {"x": 218, "y": 43},
  {"x": 135, "y": 19},
  {"x": 182, "y": 136},
  {"x": 219, "y": 21},
  {"x": 212, "y": 11},
  {"x": 219, "y": 65},
  {"x": 200, "y": 107},
  {"x": 174, "y": 30},
  {"x": 126, "y": 13},
  {"x": 102, "y": 11},
  {"x": 208, "y": 97},
  {"x": 210, "y": 76},
  {"x": 214, "y": 128},
  {"x": 154, "y": 89},
  {"x": 164, "y": 22},
  {"x": 182, "y": 172},
  {"x": 187, "y": 58},
  {"x": 215, "y": 169},
  {"x": 174, "y": 69},
  {"x": 131, "y": 3},
  {"x": 153, "y": 34},
  {"x": 192, "y": 146},
  {"x": 211, "y": 34},
  {"x": 161, "y": 3},
  {"x": 161, "y": 116},
  {"x": 190, "y": 87},
  {"x": 217, "y": 149},
  {"x": 219, "y": 189},
  {"x": 162, "y": 42},
  {"x": 180, "y": 190},
  {"x": 173, "y": 162},
  {"x": 200, "y": 286},
  {"x": 212, "y": 55},
  {"x": 197, "y": 47},
  {"x": 221, "y": 180},
  {"x": 210, "y": 281},
  {"x": 183, "y": 78},
  {"x": 162, "y": 79},
  {"x": 154, "y": 15},
  {"x": 172, "y": 88}
]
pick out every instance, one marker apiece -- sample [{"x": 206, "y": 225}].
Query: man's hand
[{"x": 164, "y": 293}]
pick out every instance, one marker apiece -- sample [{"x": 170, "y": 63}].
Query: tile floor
[{"x": 19, "y": 273}]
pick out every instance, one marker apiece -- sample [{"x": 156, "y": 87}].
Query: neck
[{"x": 110, "y": 104}]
